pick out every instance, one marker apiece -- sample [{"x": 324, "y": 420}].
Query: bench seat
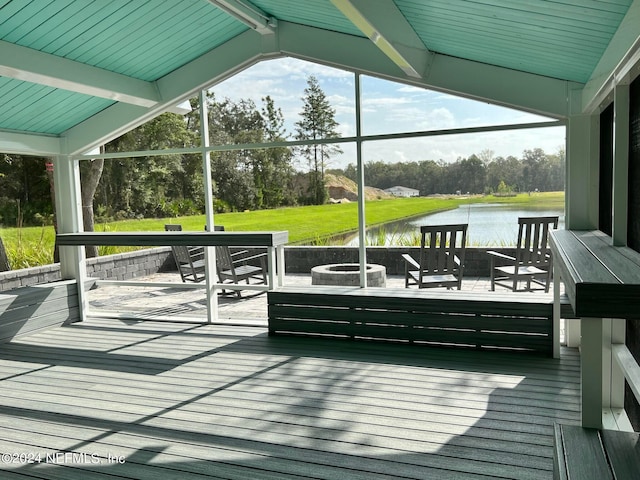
[{"x": 486, "y": 320}]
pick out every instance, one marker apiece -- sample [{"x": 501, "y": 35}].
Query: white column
[
  {"x": 66, "y": 174},
  {"x": 556, "y": 312},
  {"x": 620, "y": 164},
  {"x": 593, "y": 377},
  {"x": 209, "y": 252},
  {"x": 616, "y": 328},
  {"x": 281, "y": 264},
  {"x": 362, "y": 219},
  {"x": 581, "y": 194},
  {"x": 617, "y": 334}
]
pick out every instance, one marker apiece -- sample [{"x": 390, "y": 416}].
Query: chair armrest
[
  {"x": 500, "y": 255},
  {"x": 409, "y": 259}
]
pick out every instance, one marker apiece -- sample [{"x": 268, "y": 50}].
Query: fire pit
[{"x": 348, "y": 274}]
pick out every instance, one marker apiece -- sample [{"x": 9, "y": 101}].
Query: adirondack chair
[
  {"x": 441, "y": 261},
  {"x": 532, "y": 262},
  {"x": 189, "y": 260},
  {"x": 233, "y": 266},
  {"x": 239, "y": 266}
]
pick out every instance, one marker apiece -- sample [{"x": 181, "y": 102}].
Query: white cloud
[
  {"x": 389, "y": 107},
  {"x": 411, "y": 89}
]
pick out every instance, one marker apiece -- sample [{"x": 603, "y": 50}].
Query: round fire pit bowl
[{"x": 348, "y": 274}]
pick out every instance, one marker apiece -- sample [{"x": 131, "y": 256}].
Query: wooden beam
[
  {"x": 383, "y": 23},
  {"x": 33, "y": 66},
  {"x": 249, "y": 14},
  {"x": 29, "y": 144},
  {"x": 181, "y": 84}
]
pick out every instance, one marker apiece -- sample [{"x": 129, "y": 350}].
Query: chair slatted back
[
  {"x": 439, "y": 244},
  {"x": 533, "y": 240},
  {"x": 223, "y": 258},
  {"x": 180, "y": 252}
]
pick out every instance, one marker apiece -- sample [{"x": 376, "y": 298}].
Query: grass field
[{"x": 31, "y": 246}]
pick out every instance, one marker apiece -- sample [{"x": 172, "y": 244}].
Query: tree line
[
  {"x": 246, "y": 178},
  {"x": 478, "y": 174},
  {"x": 170, "y": 185}
]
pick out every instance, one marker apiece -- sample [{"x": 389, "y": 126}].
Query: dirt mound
[{"x": 341, "y": 188}]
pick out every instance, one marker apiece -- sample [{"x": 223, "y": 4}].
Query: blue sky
[{"x": 389, "y": 107}]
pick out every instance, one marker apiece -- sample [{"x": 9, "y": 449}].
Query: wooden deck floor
[{"x": 155, "y": 400}]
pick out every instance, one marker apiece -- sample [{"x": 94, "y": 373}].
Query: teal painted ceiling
[
  {"x": 97, "y": 67},
  {"x": 561, "y": 39}
]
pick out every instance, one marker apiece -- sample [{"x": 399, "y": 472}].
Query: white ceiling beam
[
  {"x": 248, "y": 14},
  {"x": 621, "y": 55},
  {"x": 29, "y": 144},
  {"x": 30, "y": 65},
  {"x": 501, "y": 86},
  {"x": 386, "y": 27},
  {"x": 214, "y": 66}
]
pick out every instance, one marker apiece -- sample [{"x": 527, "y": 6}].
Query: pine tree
[
  {"x": 318, "y": 122},
  {"x": 276, "y": 166}
]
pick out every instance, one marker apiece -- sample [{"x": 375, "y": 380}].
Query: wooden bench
[
  {"x": 28, "y": 309},
  {"x": 591, "y": 454},
  {"x": 497, "y": 321}
]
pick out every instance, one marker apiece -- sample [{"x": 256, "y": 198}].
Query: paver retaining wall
[{"x": 126, "y": 266}]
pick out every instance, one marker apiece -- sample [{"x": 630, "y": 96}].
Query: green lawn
[{"x": 30, "y": 246}]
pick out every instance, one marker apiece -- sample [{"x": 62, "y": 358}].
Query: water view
[{"x": 489, "y": 224}]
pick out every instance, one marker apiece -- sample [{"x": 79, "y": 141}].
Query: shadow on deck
[{"x": 165, "y": 400}]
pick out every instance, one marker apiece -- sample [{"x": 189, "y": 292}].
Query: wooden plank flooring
[{"x": 181, "y": 401}]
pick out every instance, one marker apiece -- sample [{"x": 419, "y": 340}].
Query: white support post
[
  {"x": 593, "y": 377},
  {"x": 272, "y": 267},
  {"x": 209, "y": 252},
  {"x": 281, "y": 264},
  {"x": 66, "y": 174},
  {"x": 582, "y": 150},
  {"x": 617, "y": 335},
  {"x": 572, "y": 332},
  {"x": 556, "y": 312},
  {"x": 362, "y": 220},
  {"x": 620, "y": 164}
]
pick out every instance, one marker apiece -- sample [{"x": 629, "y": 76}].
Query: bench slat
[
  {"x": 483, "y": 320},
  {"x": 514, "y": 324},
  {"x": 623, "y": 451}
]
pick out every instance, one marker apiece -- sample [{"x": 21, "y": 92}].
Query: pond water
[{"x": 489, "y": 224}]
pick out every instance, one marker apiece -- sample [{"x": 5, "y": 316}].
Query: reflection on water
[{"x": 489, "y": 224}]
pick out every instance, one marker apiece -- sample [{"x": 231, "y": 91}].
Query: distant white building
[{"x": 398, "y": 191}]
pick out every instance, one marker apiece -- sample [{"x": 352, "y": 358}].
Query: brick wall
[{"x": 126, "y": 266}]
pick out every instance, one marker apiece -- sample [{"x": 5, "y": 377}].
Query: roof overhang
[
  {"x": 524, "y": 91},
  {"x": 388, "y": 48}
]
